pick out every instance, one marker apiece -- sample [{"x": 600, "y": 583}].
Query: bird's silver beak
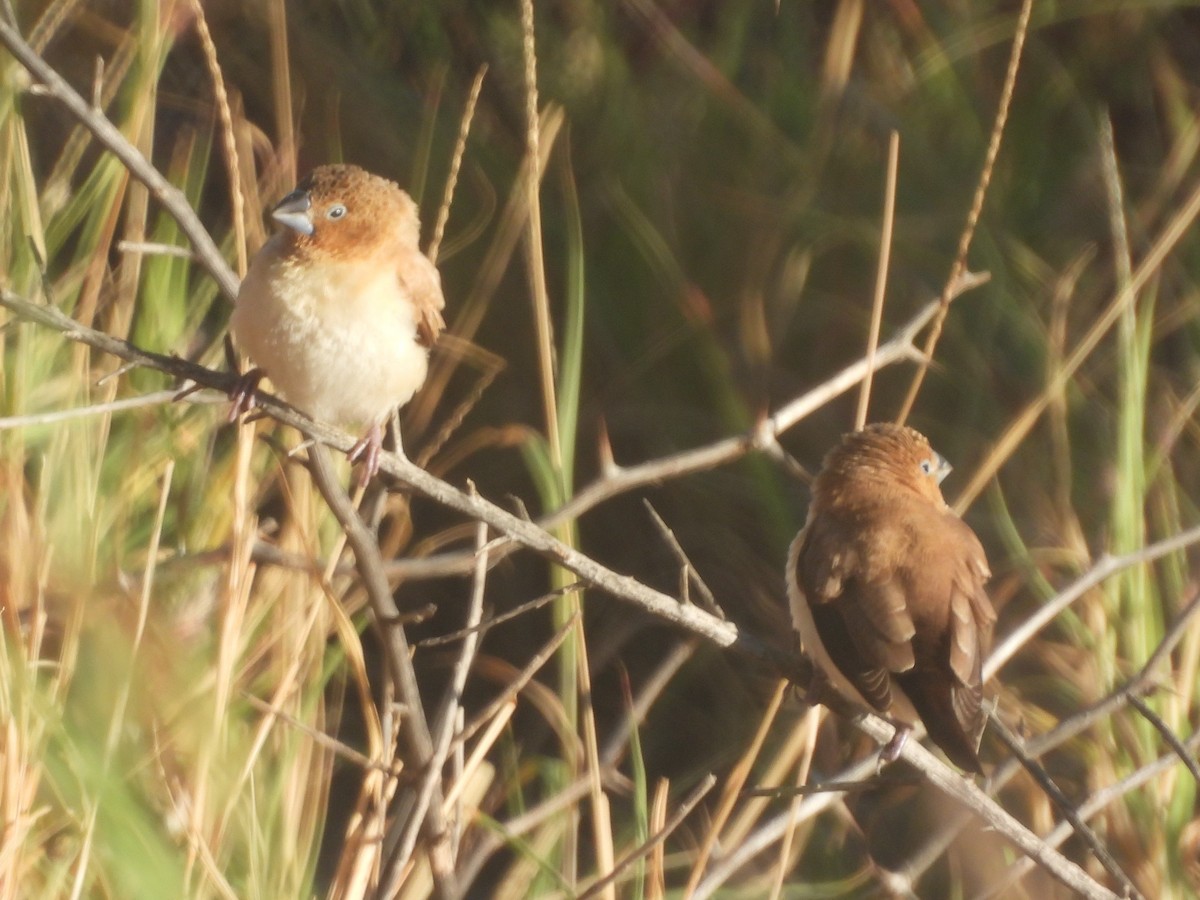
[
  {"x": 292, "y": 211},
  {"x": 943, "y": 467}
]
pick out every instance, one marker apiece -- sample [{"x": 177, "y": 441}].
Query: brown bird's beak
[
  {"x": 292, "y": 211},
  {"x": 943, "y": 467}
]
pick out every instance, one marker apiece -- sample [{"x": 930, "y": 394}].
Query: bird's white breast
[{"x": 338, "y": 338}]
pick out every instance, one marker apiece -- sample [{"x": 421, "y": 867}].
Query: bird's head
[
  {"x": 886, "y": 454},
  {"x": 345, "y": 212}
]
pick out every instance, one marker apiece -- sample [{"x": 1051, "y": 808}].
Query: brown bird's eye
[
  {"x": 928, "y": 467},
  {"x": 336, "y": 211}
]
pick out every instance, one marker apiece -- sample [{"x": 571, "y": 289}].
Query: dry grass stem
[
  {"x": 968, "y": 233},
  {"x": 885, "y": 252}
]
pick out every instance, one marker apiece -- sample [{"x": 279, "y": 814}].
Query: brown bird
[
  {"x": 886, "y": 586},
  {"x": 339, "y": 308}
]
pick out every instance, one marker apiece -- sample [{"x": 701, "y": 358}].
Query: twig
[
  {"x": 1093, "y": 805},
  {"x": 786, "y": 791},
  {"x": 151, "y": 248},
  {"x": 518, "y": 683},
  {"x": 488, "y": 624},
  {"x": 1064, "y": 805},
  {"x": 689, "y": 576},
  {"x": 1167, "y": 735},
  {"x": 319, "y": 737},
  {"x": 885, "y": 252},
  {"x": 1104, "y": 569},
  {"x": 942, "y": 777},
  {"x": 445, "y": 721},
  {"x": 770, "y": 833},
  {"x": 899, "y": 347},
  {"x": 685, "y": 808},
  {"x": 1063, "y": 732},
  {"x": 970, "y": 795},
  {"x": 172, "y": 199},
  {"x": 413, "y": 724},
  {"x": 140, "y": 401}
]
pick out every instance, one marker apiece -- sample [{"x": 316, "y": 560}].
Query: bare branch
[
  {"x": 1064, "y": 806},
  {"x": 171, "y": 198},
  {"x": 689, "y": 618},
  {"x": 616, "y": 480},
  {"x": 446, "y": 719},
  {"x": 413, "y": 724},
  {"x": 1099, "y": 573},
  {"x": 688, "y": 804}
]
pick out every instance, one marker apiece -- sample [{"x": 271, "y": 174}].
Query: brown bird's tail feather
[{"x": 932, "y": 698}]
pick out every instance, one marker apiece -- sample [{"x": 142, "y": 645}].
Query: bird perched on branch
[
  {"x": 340, "y": 307},
  {"x": 886, "y": 587}
]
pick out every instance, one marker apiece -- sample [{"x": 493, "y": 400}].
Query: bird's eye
[
  {"x": 336, "y": 211},
  {"x": 928, "y": 467}
]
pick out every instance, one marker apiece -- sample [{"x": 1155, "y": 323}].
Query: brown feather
[{"x": 891, "y": 583}]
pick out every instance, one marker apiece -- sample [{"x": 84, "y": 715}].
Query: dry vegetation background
[{"x": 195, "y": 700}]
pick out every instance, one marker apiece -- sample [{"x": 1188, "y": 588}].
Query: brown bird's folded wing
[
  {"x": 903, "y": 602},
  {"x": 972, "y": 621},
  {"x": 946, "y": 683},
  {"x": 859, "y": 612},
  {"x": 424, "y": 285}
]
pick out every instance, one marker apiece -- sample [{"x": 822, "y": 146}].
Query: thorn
[
  {"x": 763, "y": 437},
  {"x": 608, "y": 465}
]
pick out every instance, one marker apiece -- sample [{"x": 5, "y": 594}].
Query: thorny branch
[
  {"x": 690, "y": 618},
  {"x": 172, "y": 199},
  {"x": 413, "y": 724}
]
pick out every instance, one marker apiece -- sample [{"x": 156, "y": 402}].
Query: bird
[
  {"x": 886, "y": 589},
  {"x": 340, "y": 307}
]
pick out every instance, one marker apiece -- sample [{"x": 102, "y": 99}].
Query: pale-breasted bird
[
  {"x": 886, "y": 587},
  {"x": 340, "y": 307}
]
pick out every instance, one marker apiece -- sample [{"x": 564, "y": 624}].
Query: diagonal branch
[
  {"x": 689, "y": 618},
  {"x": 172, "y": 199}
]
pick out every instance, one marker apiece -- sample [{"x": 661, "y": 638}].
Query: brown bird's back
[{"x": 886, "y": 586}]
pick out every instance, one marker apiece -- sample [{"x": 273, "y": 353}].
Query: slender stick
[
  {"x": 172, "y": 199},
  {"x": 968, "y": 234},
  {"x": 885, "y": 253}
]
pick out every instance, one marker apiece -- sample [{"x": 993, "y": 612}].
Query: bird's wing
[
  {"x": 424, "y": 285},
  {"x": 859, "y": 609},
  {"x": 970, "y": 625}
]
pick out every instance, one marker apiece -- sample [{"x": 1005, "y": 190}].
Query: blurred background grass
[{"x": 711, "y": 207}]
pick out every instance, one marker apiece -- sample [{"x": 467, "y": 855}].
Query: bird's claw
[
  {"x": 367, "y": 448},
  {"x": 892, "y": 749},
  {"x": 241, "y": 396}
]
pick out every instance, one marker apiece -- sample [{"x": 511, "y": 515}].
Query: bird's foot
[
  {"x": 892, "y": 749},
  {"x": 367, "y": 449},
  {"x": 241, "y": 396}
]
